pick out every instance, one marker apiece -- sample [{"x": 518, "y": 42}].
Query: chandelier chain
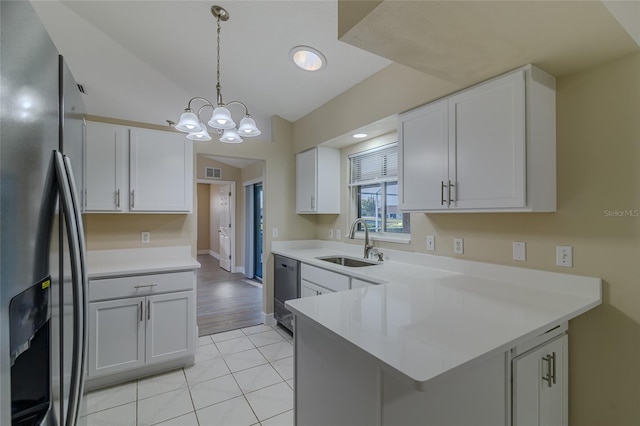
[{"x": 218, "y": 87}]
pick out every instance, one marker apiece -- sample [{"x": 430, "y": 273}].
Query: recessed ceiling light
[
  {"x": 359, "y": 135},
  {"x": 307, "y": 58}
]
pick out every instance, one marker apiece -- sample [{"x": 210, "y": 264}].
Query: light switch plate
[
  {"x": 338, "y": 234},
  {"x": 519, "y": 250},
  {"x": 431, "y": 242},
  {"x": 330, "y": 233},
  {"x": 458, "y": 246},
  {"x": 274, "y": 233}
]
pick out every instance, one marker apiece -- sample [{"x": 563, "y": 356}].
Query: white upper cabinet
[
  {"x": 105, "y": 184},
  {"x": 489, "y": 148},
  {"x": 318, "y": 181},
  {"x": 161, "y": 171},
  {"x": 137, "y": 170},
  {"x": 423, "y": 144}
]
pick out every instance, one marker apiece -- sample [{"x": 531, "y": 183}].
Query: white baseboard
[
  {"x": 203, "y": 251},
  {"x": 268, "y": 319},
  {"x": 213, "y": 254}
]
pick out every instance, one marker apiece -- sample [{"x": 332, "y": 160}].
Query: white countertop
[
  {"x": 122, "y": 262},
  {"x": 434, "y": 316}
]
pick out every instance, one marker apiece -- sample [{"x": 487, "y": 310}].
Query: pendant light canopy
[{"x": 221, "y": 119}]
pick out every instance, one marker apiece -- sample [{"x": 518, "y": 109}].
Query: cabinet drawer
[
  {"x": 139, "y": 285},
  {"x": 322, "y": 277}
]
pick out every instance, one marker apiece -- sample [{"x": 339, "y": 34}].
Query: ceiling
[
  {"x": 465, "y": 42},
  {"x": 143, "y": 60}
]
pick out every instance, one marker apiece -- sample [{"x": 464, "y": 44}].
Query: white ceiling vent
[{"x": 213, "y": 173}]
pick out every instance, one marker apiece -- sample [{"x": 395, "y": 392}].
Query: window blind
[{"x": 374, "y": 165}]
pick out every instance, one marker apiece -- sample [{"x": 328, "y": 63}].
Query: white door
[
  {"x": 540, "y": 385},
  {"x": 487, "y": 157},
  {"x": 170, "y": 328},
  {"x": 116, "y": 335},
  {"x": 161, "y": 176},
  {"x": 423, "y": 136},
  {"x": 306, "y": 185},
  {"x": 105, "y": 186},
  {"x": 225, "y": 227}
]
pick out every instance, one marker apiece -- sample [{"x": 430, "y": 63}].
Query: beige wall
[
  {"x": 391, "y": 90},
  {"x": 598, "y": 163},
  {"x": 118, "y": 231},
  {"x": 203, "y": 217}
]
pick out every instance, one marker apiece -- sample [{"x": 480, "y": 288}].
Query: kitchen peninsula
[{"x": 439, "y": 341}]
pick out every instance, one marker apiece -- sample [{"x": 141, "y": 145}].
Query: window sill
[{"x": 386, "y": 237}]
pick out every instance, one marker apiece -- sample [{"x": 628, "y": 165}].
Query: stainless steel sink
[{"x": 351, "y": 262}]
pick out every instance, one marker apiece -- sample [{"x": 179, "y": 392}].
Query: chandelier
[{"x": 221, "y": 120}]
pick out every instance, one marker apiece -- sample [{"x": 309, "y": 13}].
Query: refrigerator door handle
[
  {"x": 82, "y": 285},
  {"x": 77, "y": 369}
]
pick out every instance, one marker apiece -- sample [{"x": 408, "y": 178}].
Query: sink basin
[{"x": 351, "y": 262}]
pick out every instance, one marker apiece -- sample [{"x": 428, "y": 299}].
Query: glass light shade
[
  {"x": 230, "y": 136},
  {"x": 221, "y": 119},
  {"x": 248, "y": 127},
  {"x": 202, "y": 135},
  {"x": 307, "y": 58},
  {"x": 188, "y": 123}
]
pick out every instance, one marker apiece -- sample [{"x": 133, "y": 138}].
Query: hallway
[{"x": 225, "y": 301}]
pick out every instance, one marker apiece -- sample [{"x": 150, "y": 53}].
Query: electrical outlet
[
  {"x": 431, "y": 242},
  {"x": 274, "y": 233},
  {"x": 519, "y": 251},
  {"x": 338, "y": 234},
  {"x": 330, "y": 233},
  {"x": 458, "y": 246},
  {"x": 564, "y": 256},
  {"x": 145, "y": 237}
]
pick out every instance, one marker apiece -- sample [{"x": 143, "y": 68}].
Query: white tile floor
[{"x": 240, "y": 378}]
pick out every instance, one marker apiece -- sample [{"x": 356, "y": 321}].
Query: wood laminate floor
[{"x": 225, "y": 301}]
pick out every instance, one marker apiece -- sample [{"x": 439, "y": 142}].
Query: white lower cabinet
[
  {"x": 169, "y": 333},
  {"x": 147, "y": 321},
  {"x": 116, "y": 335},
  {"x": 540, "y": 385},
  {"x": 310, "y": 289}
]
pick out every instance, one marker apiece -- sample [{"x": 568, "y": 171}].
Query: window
[{"x": 374, "y": 189}]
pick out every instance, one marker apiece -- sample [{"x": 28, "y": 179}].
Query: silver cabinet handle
[
  {"x": 133, "y": 194},
  {"x": 118, "y": 198},
  {"x": 449, "y": 192},
  {"x": 442, "y": 185},
  {"x": 141, "y": 310},
  {"x": 148, "y": 309},
  {"x": 313, "y": 202},
  {"x": 145, "y": 285},
  {"x": 550, "y": 377}
]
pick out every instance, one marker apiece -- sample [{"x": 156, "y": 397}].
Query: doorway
[{"x": 254, "y": 233}]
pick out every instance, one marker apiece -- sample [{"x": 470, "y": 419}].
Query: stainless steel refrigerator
[{"x": 43, "y": 298}]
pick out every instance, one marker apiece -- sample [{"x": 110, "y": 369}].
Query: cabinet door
[
  {"x": 105, "y": 186},
  {"x": 422, "y": 143},
  {"x": 116, "y": 336},
  {"x": 487, "y": 154},
  {"x": 170, "y": 326},
  {"x": 161, "y": 171},
  {"x": 306, "y": 181},
  {"x": 540, "y": 383},
  {"x": 310, "y": 289}
]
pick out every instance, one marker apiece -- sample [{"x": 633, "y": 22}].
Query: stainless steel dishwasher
[{"x": 286, "y": 287}]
